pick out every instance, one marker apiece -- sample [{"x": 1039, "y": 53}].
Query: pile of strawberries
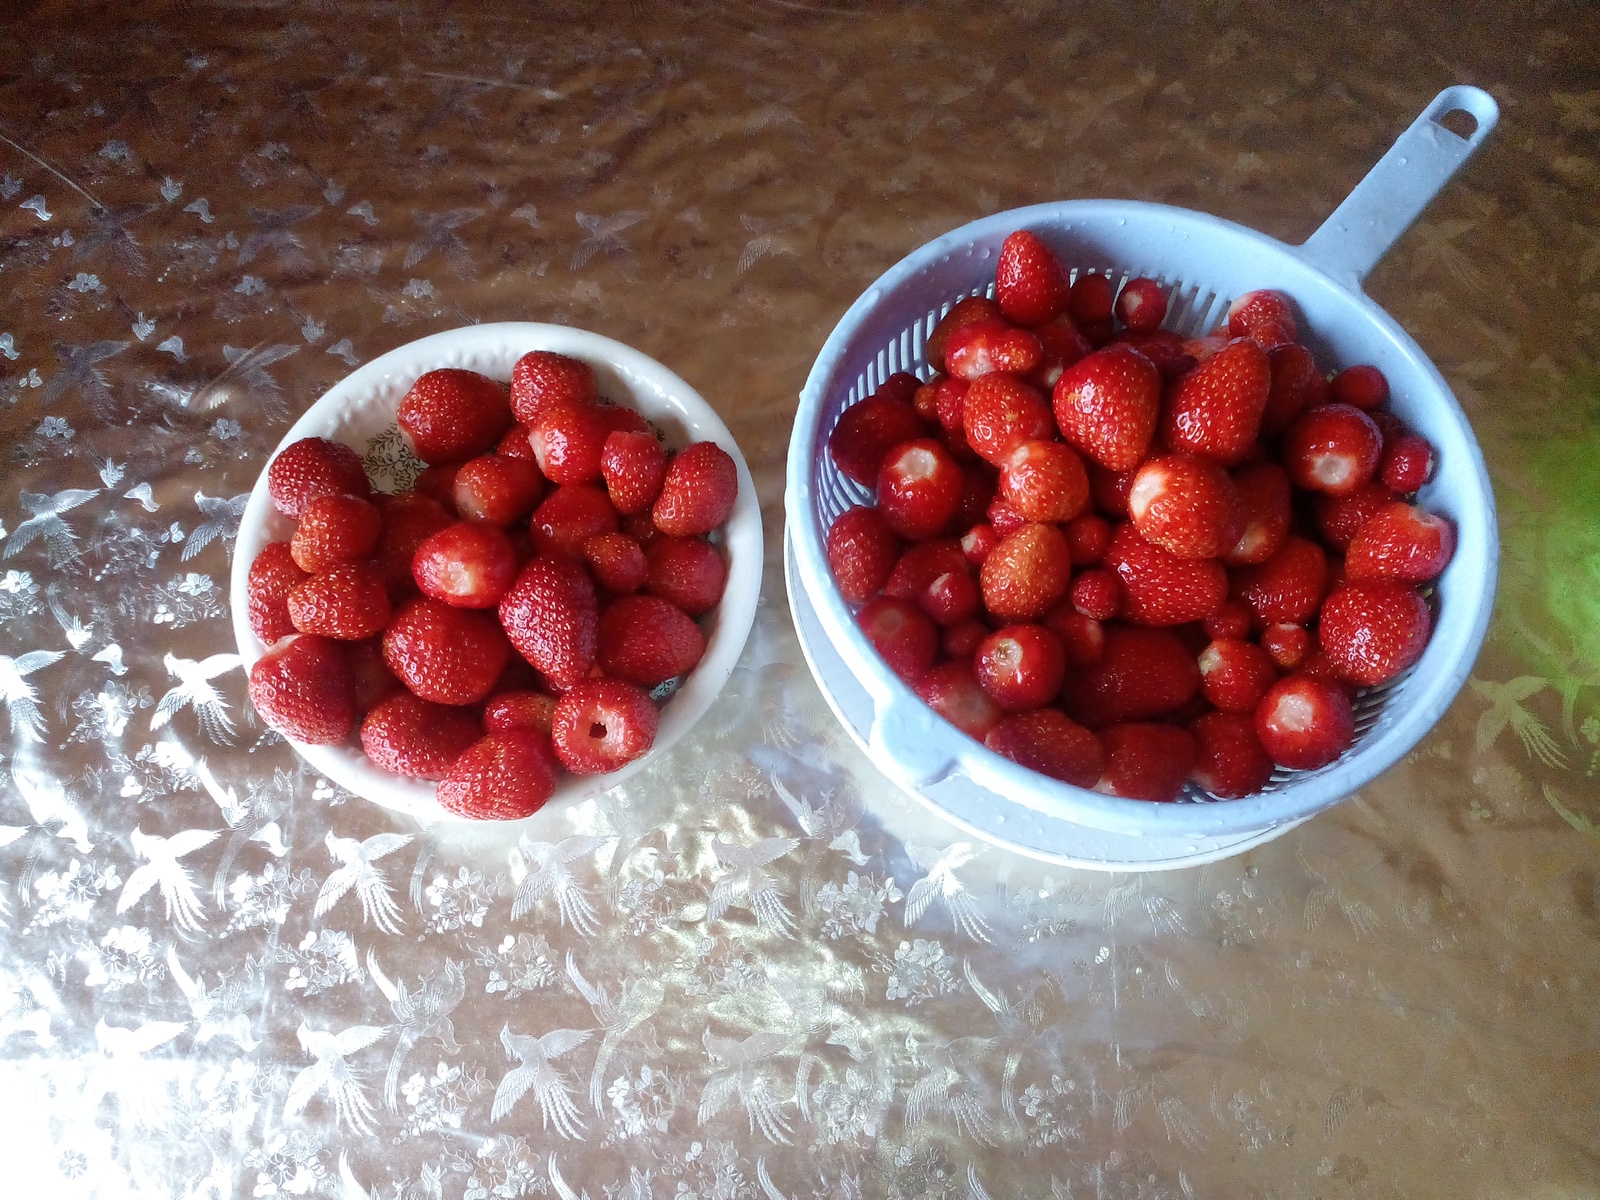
[
  {"x": 1130, "y": 560},
  {"x": 508, "y": 618}
]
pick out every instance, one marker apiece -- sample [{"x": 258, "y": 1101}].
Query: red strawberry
[
  {"x": 1333, "y": 449},
  {"x": 1089, "y": 304},
  {"x": 407, "y": 735},
  {"x": 1141, "y": 673},
  {"x": 1026, "y": 574},
  {"x": 978, "y": 481},
  {"x": 543, "y": 380},
  {"x": 618, "y": 563},
  {"x": 1109, "y": 490},
  {"x": 438, "y": 483},
  {"x": 314, "y": 467},
  {"x": 973, "y": 308},
  {"x": 902, "y": 385},
  {"x": 633, "y": 466},
  {"x": 952, "y": 690},
  {"x": 1264, "y": 496},
  {"x": 1286, "y": 643},
  {"x": 977, "y": 542},
  {"x": 520, "y": 709},
  {"x": 450, "y": 415},
  {"x": 603, "y": 724},
  {"x": 1401, "y": 542},
  {"x": 501, "y": 777},
  {"x": 868, "y": 431},
  {"x": 1339, "y": 517},
  {"x": 1234, "y": 675},
  {"x": 444, "y": 654},
  {"x": 618, "y": 418},
  {"x": 1232, "y": 621},
  {"x": 1407, "y": 463},
  {"x": 273, "y": 575},
  {"x": 1159, "y": 588},
  {"x": 1305, "y": 723},
  {"x": 1374, "y": 631},
  {"x": 948, "y": 397},
  {"x": 497, "y": 489},
  {"x": 902, "y": 633},
  {"x": 1141, "y": 305},
  {"x": 466, "y": 565},
  {"x": 347, "y": 602},
  {"x": 1107, "y": 405},
  {"x": 409, "y": 520},
  {"x": 1004, "y": 519},
  {"x": 1146, "y": 762},
  {"x": 935, "y": 577},
  {"x": 1215, "y": 410},
  {"x": 962, "y": 639},
  {"x": 925, "y": 400},
  {"x": 690, "y": 572},
  {"x": 1021, "y": 666},
  {"x": 983, "y": 347},
  {"x": 335, "y": 529},
  {"x": 1186, "y": 505},
  {"x": 698, "y": 492},
  {"x": 1162, "y": 347},
  {"x": 1044, "y": 481},
  {"x": 1087, "y": 537},
  {"x": 1230, "y": 762},
  {"x": 1083, "y": 639},
  {"x": 647, "y": 640},
  {"x": 1030, "y": 284},
  {"x": 1364, "y": 387},
  {"x": 1263, "y": 316},
  {"x": 514, "y": 443},
  {"x": 302, "y": 688},
  {"x": 1096, "y": 593},
  {"x": 567, "y": 442},
  {"x": 1297, "y": 385},
  {"x": 569, "y": 517},
  {"x": 553, "y": 619},
  {"x": 919, "y": 487},
  {"x": 370, "y": 675},
  {"x": 640, "y": 528},
  {"x": 1288, "y": 587},
  {"x": 999, "y": 413},
  {"x": 1061, "y": 344},
  {"x": 862, "y": 551},
  {"x": 1048, "y": 741}
]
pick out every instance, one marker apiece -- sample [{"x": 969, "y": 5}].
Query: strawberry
[
  {"x": 618, "y": 418},
  {"x": 497, "y": 489},
  {"x": 1030, "y": 284},
  {"x": 1061, "y": 344},
  {"x": 313, "y": 467},
  {"x": 450, "y": 415},
  {"x": 407, "y": 735},
  {"x": 1087, "y": 537},
  {"x": 1026, "y": 574},
  {"x": 1288, "y": 587},
  {"x": 1107, "y": 405},
  {"x": 1142, "y": 673},
  {"x": 347, "y": 602},
  {"x": 1044, "y": 481},
  {"x": 1229, "y": 762},
  {"x": 1048, "y": 741},
  {"x": 335, "y": 529},
  {"x": 1286, "y": 643},
  {"x": 445, "y": 654},
  {"x": 962, "y": 639},
  {"x": 979, "y": 541},
  {"x": 868, "y": 431},
  {"x": 1234, "y": 675},
  {"x": 1004, "y": 519},
  {"x": 302, "y": 688},
  {"x": 1297, "y": 385},
  {"x": 978, "y": 483},
  {"x": 1232, "y": 621},
  {"x": 690, "y": 572},
  {"x": 902, "y": 385},
  {"x": 935, "y": 577},
  {"x": 409, "y": 520},
  {"x": 1162, "y": 347},
  {"x": 1215, "y": 410},
  {"x": 1021, "y": 666},
  {"x": 273, "y": 575},
  {"x": 999, "y": 413},
  {"x": 369, "y": 674},
  {"x": 902, "y": 633},
  {"x": 501, "y": 777},
  {"x": 973, "y": 308},
  {"x": 862, "y": 551},
  {"x": 567, "y": 442},
  {"x": 1096, "y": 593},
  {"x": 438, "y": 483},
  {"x": 1264, "y": 496},
  {"x": 1407, "y": 463},
  {"x": 919, "y": 487},
  {"x": 542, "y": 380},
  {"x": 640, "y": 528},
  {"x": 1089, "y": 305},
  {"x": 647, "y": 640},
  {"x": 925, "y": 400},
  {"x": 1083, "y": 639},
  {"x": 1141, "y": 305},
  {"x": 1305, "y": 723},
  {"x": 618, "y": 564},
  {"x": 1186, "y": 505},
  {"x": 514, "y": 443},
  {"x": 983, "y": 347},
  {"x": 698, "y": 491},
  {"x": 1401, "y": 542},
  {"x": 1373, "y": 631},
  {"x": 466, "y": 565},
  {"x": 520, "y": 709},
  {"x": 1333, "y": 449},
  {"x": 1339, "y": 517},
  {"x": 1263, "y": 316},
  {"x": 603, "y": 724},
  {"x": 553, "y": 619},
  {"x": 569, "y": 517},
  {"x": 1364, "y": 387},
  {"x": 1159, "y": 588},
  {"x": 1146, "y": 762},
  {"x": 952, "y": 690},
  {"x": 1109, "y": 491},
  {"x": 633, "y": 466},
  {"x": 948, "y": 398},
  {"x": 1318, "y": 665}
]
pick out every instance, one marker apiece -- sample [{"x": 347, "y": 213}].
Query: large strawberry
[
  {"x": 543, "y": 379},
  {"x": 1027, "y": 573},
  {"x": 1051, "y": 743},
  {"x": 1107, "y": 405},
  {"x": 1215, "y": 410},
  {"x": 407, "y": 735},
  {"x": 314, "y": 467},
  {"x": 445, "y": 654},
  {"x": 553, "y": 619},
  {"x": 450, "y": 415},
  {"x": 1030, "y": 283},
  {"x": 1401, "y": 542},
  {"x": 1186, "y": 505},
  {"x": 1146, "y": 762},
  {"x": 501, "y": 777},
  {"x": 1373, "y": 631},
  {"x": 698, "y": 492},
  {"x": 303, "y": 689}
]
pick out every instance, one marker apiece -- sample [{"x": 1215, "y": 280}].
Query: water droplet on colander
[
  {"x": 1404, "y": 161},
  {"x": 984, "y": 254}
]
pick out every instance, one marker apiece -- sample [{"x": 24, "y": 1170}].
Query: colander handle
[
  {"x": 1394, "y": 193},
  {"x": 909, "y": 740}
]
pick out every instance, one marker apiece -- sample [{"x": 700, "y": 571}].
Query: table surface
[{"x": 212, "y": 212}]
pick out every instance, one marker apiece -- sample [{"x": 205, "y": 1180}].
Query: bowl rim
[{"x": 652, "y": 389}]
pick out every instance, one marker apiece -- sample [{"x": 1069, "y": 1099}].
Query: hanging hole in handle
[{"x": 1459, "y": 122}]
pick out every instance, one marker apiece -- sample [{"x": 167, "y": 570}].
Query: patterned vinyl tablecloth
[{"x": 759, "y": 970}]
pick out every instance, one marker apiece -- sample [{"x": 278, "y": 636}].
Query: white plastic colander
[{"x": 1204, "y": 262}]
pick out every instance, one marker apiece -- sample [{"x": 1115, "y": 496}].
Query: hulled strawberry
[
  {"x": 1304, "y": 722},
  {"x": 919, "y": 487},
  {"x": 302, "y": 688},
  {"x": 1187, "y": 506},
  {"x": 1400, "y": 542},
  {"x": 1333, "y": 449},
  {"x": 1097, "y": 593},
  {"x": 567, "y": 442},
  {"x": 1087, "y": 536},
  {"x": 313, "y": 467},
  {"x": 1215, "y": 410},
  {"x": 1061, "y": 344},
  {"x": 569, "y": 517},
  {"x": 952, "y": 690},
  {"x": 1264, "y": 317},
  {"x": 1229, "y": 760},
  {"x": 1030, "y": 284},
  {"x": 1044, "y": 481},
  {"x": 603, "y": 724},
  {"x": 1090, "y": 305},
  {"x": 1021, "y": 666},
  {"x": 1373, "y": 631},
  {"x": 983, "y": 347},
  {"x": 497, "y": 489},
  {"x": 1107, "y": 405},
  {"x": 1288, "y": 587},
  {"x": 450, "y": 415},
  {"x": 1297, "y": 385},
  {"x": 1050, "y": 742},
  {"x": 1265, "y": 498},
  {"x": 523, "y": 708},
  {"x": 1141, "y": 305},
  {"x": 1141, "y": 673},
  {"x": 1407, "y": 463},
  {"x": 553, "y": 619},
  {"x": 902, "y": 633},
  {"x": 964, "y": 312},
  {"x": 1162, "y": 347},
  {"x": 999, "y": 413},
  {"x": 935, "y": 577},
  {"x": 409, "y": 520},
  {"x": 868, "y": 431},
  {"x": 1235, "y": 674},
  {"x": 466, "y": 565},
  {"x": 1159, "y": 588},
  {"x": 1339, "y": 517}
]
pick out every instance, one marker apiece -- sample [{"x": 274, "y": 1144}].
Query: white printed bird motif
[
  {"x": 547, "y": 875},
  {"x": 603, "y": 237},
  {"x": 22, "y": 702},
  {"x": 947, "y": 1088},
  {"x": 738, "y": 1075},
  {"x": 59, "y": 541},
  {"x": 161, "y": 867},
  {"x": 550, "y": 1086},
  {"x": 357, "y": 871},
  {"x": 222, "y": 518},
  {"x": 332, "y": 1074},
  {"x": 637, "y": 1002},
  {"x": 194, "y": 690},
  {"x": 211, "y": 1009},
  {"x": 423, "y": 1013},
  {"x": 746, "y": 878},
  {"x": 48, "y": 804},
  {"x": 112, "y": 657},
  {"x": 77, "y": 632},
  {"x": 940, "y": 881}
]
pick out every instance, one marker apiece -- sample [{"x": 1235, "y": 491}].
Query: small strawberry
[
  {"x": 514, "y": 443},
  {"x": 1048, "y": 741},
  {"x": 1087, "y": 537},
  {"x": 1045, "y": 481},
  {"x": 962, "y": 639},
  {"x": 1232, "y": 621},
  {"x": 690, "y": 572},
  {"x": 1109, "y": 491},
  {"x": 553, "y": 619},
  {"x": 862, "y": 551},
  {"x": 1263, "y": 316},
  {"x": 1089, "y": 303},
  {"x": 445, "y": 654},
  {"x": 973, "y": 308},
  {"x": 1265, "y": 498},
  {"x": 1288, "y": 587},
  {"x": 567, "y": 442},
  {"x": 952, "y": 690},
  {"x": 698, "y": 492},
  {"x": 1297, "y": 385},
  {"x": 1333, "y": 449},
  {"x": 466, "y": 565},
  {"x": 1305, "y": 723},
  {"x": 983, "y": 347},
  {"x": 1004, "y": 519},
  {"x": 902, "y": 633},
  {"x": 618, "y": 563},
  {"x": 1234, "y": 675},
  {"x": 524, "y": 708},
  {"x": 1230, "y": 762},
  {"x": 948, "y": 397},
  {"x": 450, "y": 415},
  {"x": 1031, "y": 285},
  {"x": 925, "y": 400},
  {"x": 647, "y": 640},
  {"x": 633, "y": 466},
  {"x": 407, "y": 735},
  {"x": 438, "y": 483},
  {"x": 1186, "y": 505},
  {"x": 1107, "y": 405},
  {"x": 935, "y": 577},
  {"x": 1021, "y": 666},
  {"x": 273, "y": 575},
  {"x": 1364, "y": 387},
  {"x": 1407, "y": 463},
  {"x": 868, "y": 431},
  {"x": 347, "y": 602},
  {"x": 1026, "y": 574},
  {"x": 313, "y": 467},
  {"x": 1400, "y": 542},
  {"x": 1061, "y": 345},
  {"x": 369, "y": 674},
  {"x": 977, "y": 542},
  {"x": 1141, "y": 673},
  {"x": 1215, "y": 410},
  {"x": 1339, "y": 517},
  {"x": 335, "y": 529},
  {"x": 1096, "y": 593},
  {"x": 302, "y": 688},
  {"x": 603, "y": 724},
  {"x": 919, "y": 487},
  {"x": 1374, "y": 631},
  {"x": 542, "y": 380},
  {"x": 409, "y": 519},
  {"x": 1159, "y": 588},
  {"x": 978, "y": 490},
  {"x": 1286, "y": 643},
  {"x": 501, "y": 777},
  {"x": 1141, "y": 305},
  {"x": 569, "y": 517},
  {"x": 1146, "y": 762},
  {"x": 1001, "y": 412},
  {"x": 1162, "y": 347},
  {"x": 1083, "y": 639},
  {"x": 497, "y": 489},
  {"x": 618, "y": 418}
]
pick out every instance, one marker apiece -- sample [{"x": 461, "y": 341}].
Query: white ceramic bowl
[{"x": 360, "y": 411}]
